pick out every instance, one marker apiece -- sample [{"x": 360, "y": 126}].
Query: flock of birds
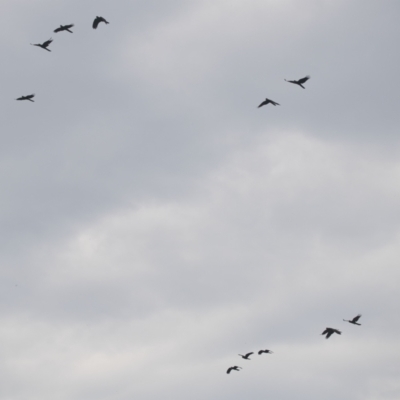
[
  {"x": 298, "y": 82},
  {"x": 47, "y": 43},
  {"x": 96, "y": 23},
  {"x": 328, "y": 332}
]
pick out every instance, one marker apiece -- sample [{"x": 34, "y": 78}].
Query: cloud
[
  {"x": 177, "y": 289},
  {"x": 155, "y": 223}
]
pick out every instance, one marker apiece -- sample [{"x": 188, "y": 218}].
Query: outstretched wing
[
  {"x": 329, "y": 334},
  {"x": 248, "y": 354},
  {"x": 97, "y": 20},
  {"x": 47, "y": 43},
  {"x": 355, "y": 319},
  {"x": 229, "y": 370},
  {"x": 266, "y": 101},
  {"x": 303, "y": 80},
  {"x": 336, "y": 331},
  {"x": 95, "y": 25},
  {"x": 274, "y": 103},
  {"x": 325, "y": 331},
  {"x": 69, "y": 26},
  {"x": 31, "y": 96}
]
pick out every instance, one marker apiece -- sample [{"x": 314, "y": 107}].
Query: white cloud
[{"x": 174, "y": 290}]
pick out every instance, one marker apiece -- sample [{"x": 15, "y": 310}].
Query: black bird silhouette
[
  {"x": 329, "y": 332},
  {"x": 64, "y": 28},
  {"x": 265, "y": 351},
  {"x": 29, "y": 97},
  {"x": 235, "y": 368},
  {"x": 267, "y": 101},
  {"x": 246, "y": 357},
  {"x": 97, "y": 20},
  {"x": 44, "y": 45},
  {"x": 300, "y": 81},
  {"x": 354, "y": 320}
]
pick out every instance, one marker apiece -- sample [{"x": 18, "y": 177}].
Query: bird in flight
[
  {"x": 267, "y": 101},
  {"x": 29, "y": 97},
  {"x": 97, "y": 20},
  {"x": 300, "y": 81},
  {"x": 265, "y": 351},
  {"x": 354, "y": 320},
  {"x": 329, "y": 332},
  {"x": 44, "y": 45},
  {"x": 235, "y": 368},
  {"x": 246, "y": 357},
  {"x": 64, "y": 28}
]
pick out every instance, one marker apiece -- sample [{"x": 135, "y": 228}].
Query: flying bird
[
  {"x": 300, "y": 81},
  {"x": 246, "y": 357},
  {"x": 29, "y": 97},
  {"x": 44, "y": 45},
  {"x": 64, "y": 28},
  {"x": 235, "y": 368},
  {"x": 97, "y": 20},
  {"x": 265, "y": 351},
  {"x": 329, "y": 332},
  {"x": 267, "y": 101},
  {"x": 354, "y": 320}
]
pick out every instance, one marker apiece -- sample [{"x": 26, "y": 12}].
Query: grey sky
[{"x": 155, "y": 223}]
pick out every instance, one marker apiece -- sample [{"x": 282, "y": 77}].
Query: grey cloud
[{"x": 156, "y": 223}]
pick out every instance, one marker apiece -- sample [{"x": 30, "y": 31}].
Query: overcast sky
[{"x": 155, "y": 223}]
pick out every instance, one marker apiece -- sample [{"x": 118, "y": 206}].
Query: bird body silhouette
[
  {"x": 44, "y": 45},
  {"x": 300, "y": 81},
  {"x": 29, "y": 97},
  {"x": 267, "y": 101},
  {"x": 354, "y": 320},
  {"x": 329, "y": 332},
  {"x": 246, "y": 356},
  {"x": 235, "y": 368},
  {"x": 64, "y": 28},
  {"x": 97, "y": 21},
  {"x": 265, "y": 351}
]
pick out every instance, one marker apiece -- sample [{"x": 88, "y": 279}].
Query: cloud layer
[{"x": 155, "y": 223}]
